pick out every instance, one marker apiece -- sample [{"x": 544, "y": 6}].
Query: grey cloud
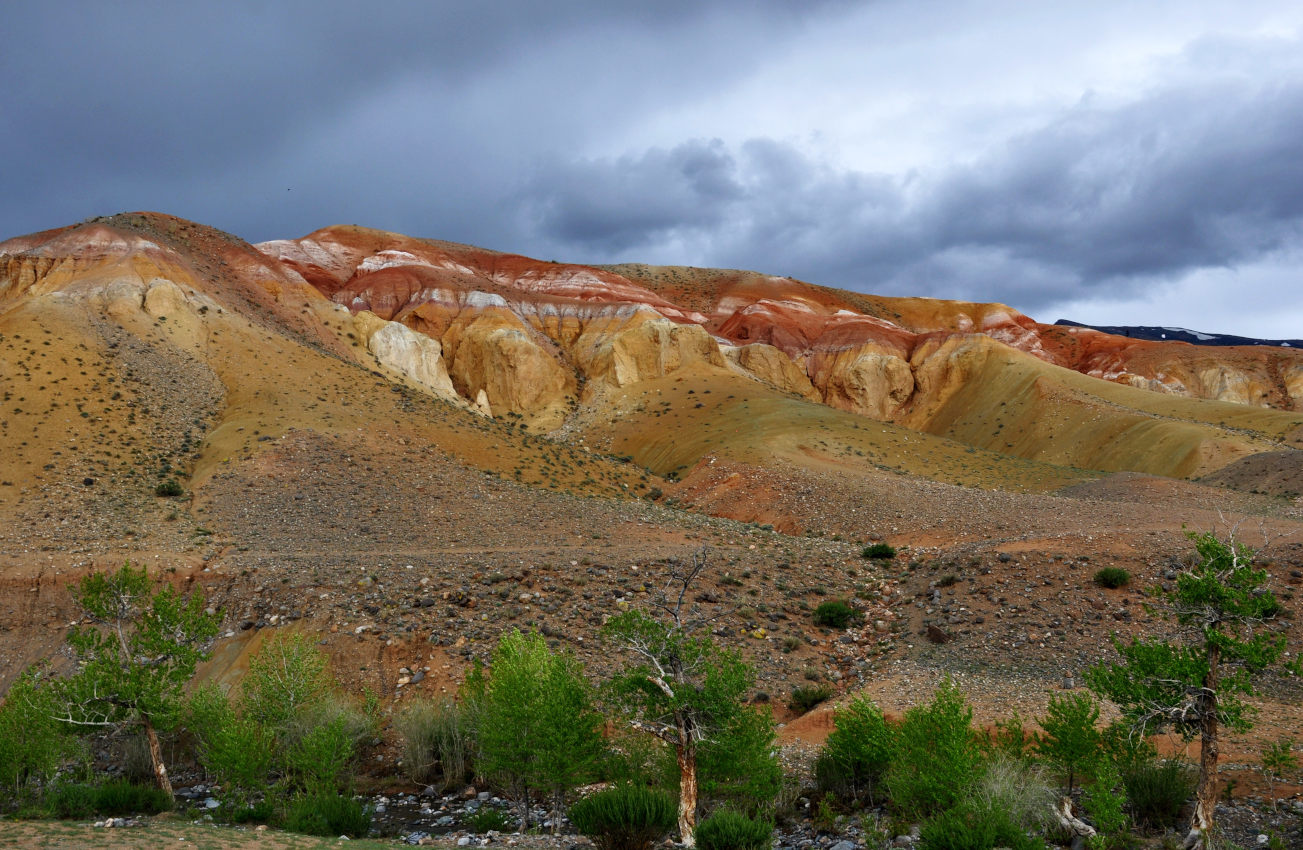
[
  {"x": 617, "y": 204},
  {"x": 1093, "y": 200},
  {"x": 209, "y": 111}
]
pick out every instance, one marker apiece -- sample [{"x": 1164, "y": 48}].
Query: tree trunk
[
  {"x": 524, "y": 808},
  {"x": 156, "y": 759},
  {"x": 1205, "y": 798},
  {"x": 687, "y": 753}
]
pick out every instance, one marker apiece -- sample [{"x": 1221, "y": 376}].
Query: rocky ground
[{"x": 424, "y": 818}]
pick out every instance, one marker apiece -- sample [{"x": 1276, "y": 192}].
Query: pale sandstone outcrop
[
  {"x": 413, "y": 355},
  {"x": 645, "y": 347},
  {"x": 1292, "y": 378},
  {"x": 871, "y": 380},
  {"x": 495, "y": 355},
  {"x": 768, "y": 364}
]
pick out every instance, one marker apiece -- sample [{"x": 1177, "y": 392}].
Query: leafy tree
[
  {"x": 936, "y": 760},
  {"x": 857, "y": 752},
  {"x": 287, "y": 676},
  {"x": 537, "y": 729},
  {"x": 32, "y": 742},
  {"x": 682, "y": 688},
  {"x": 136, "y": 649},
  {"x": 1071, "y": 742},
  {"x": 1195, "y": 684},
  {"x": 741, "y": 763}
]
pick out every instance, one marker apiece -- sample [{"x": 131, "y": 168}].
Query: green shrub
[
  {"x": 881, "y": 551},
  {"x": 489, "y": 820},
  {"x": 936, "y": 760},
  {"x": 835, "y": 614},
  {"x": 328, "y": 813},
  {"x": 857, "y": 752},
  {"x": 1105, "y": 800},
  {"x": 807, "y": 697},
  {"x": 264, "y": 811},
  {"x": 287, "y": 677},
  {"x": 320, "y": 755},
  {"x": 1112, "y": 577},
  {"x": 729, "y": 830},
  {"x": 234, "y": 749},
  {"x": 1008, "y": 738},
  {"x": 973, "y": 827},
  {"x": 1157, "y": 791},
  {"x": 437, "y": 741},
  {"x": 169, "y": 488},
  {"x": 119, "y": 797},
  {"x": 625, "y": 817},
  {"x": 72, "y": 800}
]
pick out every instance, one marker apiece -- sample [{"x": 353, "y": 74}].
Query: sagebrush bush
[
  {"x": 625, "y": 817},
  {"x": 327, "y": 813},
  {"x": 169, "y": 488},
  {"x": 879, "y": 550},
  {"x": 1157, "y": 791},
  {"x": 835, "y": 614},
  {"x": 807, "y": 697},
  {"x": 729, "y": 830},
  {"x": 437, "y": 742},
  {"x": 1112, "y": 577},
  {"x": 857, "y": 752},
  {"x": 936, "y": 760}
]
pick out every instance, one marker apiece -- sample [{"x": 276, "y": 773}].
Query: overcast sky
[{"x": 1110, "y": 162}]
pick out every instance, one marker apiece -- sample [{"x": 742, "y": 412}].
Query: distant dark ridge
[{"x": 1184, "y": 335}]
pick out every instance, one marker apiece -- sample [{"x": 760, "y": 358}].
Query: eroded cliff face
[{"x": 530, "y": 338}]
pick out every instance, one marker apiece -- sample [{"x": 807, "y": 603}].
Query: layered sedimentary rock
[{"x": 624, "y": 324}]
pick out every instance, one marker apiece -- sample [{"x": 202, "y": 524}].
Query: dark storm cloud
[
  {"x": 1096, "y": 199},
  {"x": 214, "y": 111}
]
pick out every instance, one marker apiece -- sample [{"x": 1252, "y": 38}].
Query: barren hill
[{"x": 409, "y": 445}]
